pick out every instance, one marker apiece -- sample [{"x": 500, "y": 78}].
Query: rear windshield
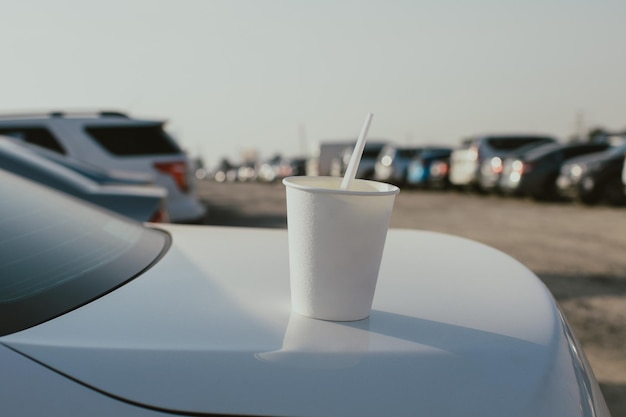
[
  {"x": 567, "y": 152},
  {"x": 58, "y": 255},
  {"x": 512, "y": 143},
  {"x": 134, "y": 140},
  {"x": 435, "y": 152},
  {"x": 36, "y": 135},
  {"x": 541, "y": 150},
  {"x": 408, "y": 153},
  {"x": 371, "y": 153}
]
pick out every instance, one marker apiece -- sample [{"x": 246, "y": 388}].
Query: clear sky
[{"x": 279, "y": 76}]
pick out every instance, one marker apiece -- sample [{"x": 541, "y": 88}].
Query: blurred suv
[
  {"x": 595, "y": 178},
  {"x": 477, "y": 163},
  {"x": 535, "y": 172},
  {"x": 367, "y": 164},
  {"x": 115, "y": 141},
  {"x": 429, "y": 169},
  {"x": 141, "y": 202},
  {"x": 279, "y": 167},
  {"x": 393, "y": 162}
]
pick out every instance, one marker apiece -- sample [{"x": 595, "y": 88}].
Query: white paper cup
[{"x": 336, "y": 242}]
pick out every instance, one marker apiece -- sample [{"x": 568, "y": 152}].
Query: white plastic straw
[{"x": 355, "y": 159}]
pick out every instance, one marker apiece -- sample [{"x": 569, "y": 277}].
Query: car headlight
[
  {"x": 386, "y": 161},
  {"x": 588, "y": 184},
  {"x": 577, "y": 170}
]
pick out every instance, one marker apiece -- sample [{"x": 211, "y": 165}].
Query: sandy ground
[{"x": 579, "y": 253}]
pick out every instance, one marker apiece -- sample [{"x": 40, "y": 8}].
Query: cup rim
[{"x": 306, "y": 183}]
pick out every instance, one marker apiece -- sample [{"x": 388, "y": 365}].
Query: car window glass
[
  {"x": 57, "y": 254},
  {"x": 466, "y": 144},
  {"x": 583, "y": 149},
  {"x": 616, "y": 150},
  {"x": 541, "y": 149},
  {"x": 370, "y": 153},
  {"x": 511, "y": 143},
  {"x": 407, "y": 153},
  {"x": 134, "y": 140},
  {"x": 387, "y": 151},
  {"x": 37, "y": 136}
]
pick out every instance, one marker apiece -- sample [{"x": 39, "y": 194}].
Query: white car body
[
  {"x": 208, "y": 330},
  {"x": 464, "y": 166},
  {"x": 71, "y": 135}
]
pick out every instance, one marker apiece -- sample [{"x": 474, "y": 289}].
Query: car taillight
[
  {"x": 439, "y": 169},
  {"x": 161, "y": 215},
  {"x": 528, "y": 167},
  {"x": 178, "y": 171},
  {"x": 496, "y": 165},
  {"x": 521, "y": 167}
]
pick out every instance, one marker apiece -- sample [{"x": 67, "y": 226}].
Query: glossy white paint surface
[{"x": 457, "y": 329}]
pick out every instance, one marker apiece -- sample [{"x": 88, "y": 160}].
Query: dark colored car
[
  {"x": 430, "y": 169},
  {"x": 492, "y": 168},
  {"x": 534, "y": 173},
  {"x": 477, "y": 163},
  {"x": 595, "y": 178}
]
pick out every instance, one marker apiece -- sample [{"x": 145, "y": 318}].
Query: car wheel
[
  {"x": 589, "y": 198},
  {"x": 614, "y": 192},
  {"x": 548, "y": 191}
]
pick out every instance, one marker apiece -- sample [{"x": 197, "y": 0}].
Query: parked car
[
  {"x": 492, "y": 169},
  {"x": 429, "y": 169},
  {"x": 115, "y": 141},
  {"x": 367, "y": 164},
  {"x": 321, "y": 159},
  {"x": 139, "y": 202},
  {"x": 439, "y": 174},
  {"x": 199, "y": 169},
  {"x": 595, "y": 178},
  {"x": 279, "y": 167},
  {"x": 225, "y": 171},
  {"x": 477, "y": 163},
  {"x": 393, "y": 161},
  {"x": 101, "y": 316},
  {"x": 247, "y": 171},
  {"x": 534, "y": 173},
  {"x": 94, "y": 173}
]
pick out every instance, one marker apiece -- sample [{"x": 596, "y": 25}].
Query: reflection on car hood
[{"x": 457, "y": 328}]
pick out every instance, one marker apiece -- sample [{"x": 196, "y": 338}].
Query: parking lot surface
[{"x": 579, "y": 252}]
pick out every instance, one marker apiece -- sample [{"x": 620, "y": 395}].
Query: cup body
[{"x": 336, "y": 242}]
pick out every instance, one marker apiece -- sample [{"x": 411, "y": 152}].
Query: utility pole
[
  {"x": 580, "y": 125},
  {"x": 304, "y": 148}
]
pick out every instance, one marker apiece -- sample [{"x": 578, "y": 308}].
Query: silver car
[
  {"x": 115, "y": 141},
  {"x": 146, "y": 203}
]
